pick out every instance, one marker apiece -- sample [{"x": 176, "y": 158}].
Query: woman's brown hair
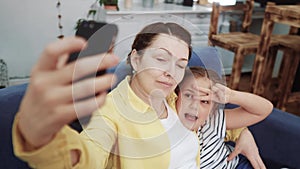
[{"x": 146, "y": 36}]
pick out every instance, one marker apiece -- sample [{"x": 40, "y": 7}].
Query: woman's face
[
  {"x": 161, "y": 66},
  {"x": 192, "y": 110}
]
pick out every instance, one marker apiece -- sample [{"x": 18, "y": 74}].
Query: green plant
[
  {"x": 94, "y": 7},
  {"x": 108, "y": 2}
]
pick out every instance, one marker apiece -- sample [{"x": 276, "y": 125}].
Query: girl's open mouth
[{"x": 190, "y": 117}]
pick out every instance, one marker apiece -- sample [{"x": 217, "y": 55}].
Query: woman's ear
[{"x": 134, "y": 59}]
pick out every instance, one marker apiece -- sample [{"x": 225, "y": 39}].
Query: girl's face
[
  {"x": 192, "y": 110},
  {"x": 160, "y": 68}
]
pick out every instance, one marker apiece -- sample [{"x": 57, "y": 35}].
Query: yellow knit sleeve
[
  {"x": 56, "y": 154},
  {"x": 233, "y": 135}
]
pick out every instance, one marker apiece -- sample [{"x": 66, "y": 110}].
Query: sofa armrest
[{"x": 278, "y": 138}]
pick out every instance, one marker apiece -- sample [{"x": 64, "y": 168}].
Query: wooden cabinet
[
  {"x": 199, "y": 31},
  {"x": 194, "y": 19}
]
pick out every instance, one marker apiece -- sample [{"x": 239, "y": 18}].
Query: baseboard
[
  {"x": 13, "y": 82},
  {"x": 227, "y": 71}
]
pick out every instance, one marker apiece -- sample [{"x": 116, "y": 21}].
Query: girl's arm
[{"x": 253, "y": 108}]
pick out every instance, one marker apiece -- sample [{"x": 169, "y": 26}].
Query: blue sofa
[{"x": 278, "y": 136}]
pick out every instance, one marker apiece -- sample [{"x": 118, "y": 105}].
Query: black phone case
[{"x": 100, "y": 37}]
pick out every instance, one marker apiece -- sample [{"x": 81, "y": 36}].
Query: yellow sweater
[{"x": 118, "y": 136}]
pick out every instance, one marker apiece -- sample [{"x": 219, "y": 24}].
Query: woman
[
  {"x": 130, "y": 130},
  {"x": 127, "y": 130}
]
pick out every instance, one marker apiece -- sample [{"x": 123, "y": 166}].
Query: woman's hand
[
  {"x": 55, "y": 97},
  {"x": 246, "y": 146}
]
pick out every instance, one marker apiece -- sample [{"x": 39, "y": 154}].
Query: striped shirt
[{"x": 213, "y": 150}]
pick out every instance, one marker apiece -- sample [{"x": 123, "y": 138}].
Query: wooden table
[{"x": 285, "y": 14}]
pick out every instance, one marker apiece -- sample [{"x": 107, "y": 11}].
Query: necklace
[
  {"x": 161, "y": 110},
  {"x": 162, "y": 113}
]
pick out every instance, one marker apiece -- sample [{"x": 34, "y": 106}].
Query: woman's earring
[{"x": 133, "y": 72}]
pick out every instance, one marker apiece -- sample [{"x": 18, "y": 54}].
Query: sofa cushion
[
  {"x": 278, "y": 138},
  {"x": 10, "y": 99}
]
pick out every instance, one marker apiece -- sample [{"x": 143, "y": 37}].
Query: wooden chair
[
  {"x": 241, "y": 43},
  {"x": 283, "y": 94},
  {"x": 289, "y": 44}
]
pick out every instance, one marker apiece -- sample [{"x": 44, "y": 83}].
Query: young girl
[{"x": 200, "y": 95}]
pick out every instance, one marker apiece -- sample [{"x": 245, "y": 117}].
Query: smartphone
[{"x": 100, "y": 38}]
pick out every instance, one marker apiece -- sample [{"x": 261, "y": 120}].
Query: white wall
[{"x": 28, "y": 25}]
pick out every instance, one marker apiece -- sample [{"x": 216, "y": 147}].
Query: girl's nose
[{"x": 194, "y": 105}]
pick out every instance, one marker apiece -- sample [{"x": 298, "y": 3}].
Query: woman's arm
[
  {"x": 48, "y": 105},
  {"x": 246, "y": 146}
]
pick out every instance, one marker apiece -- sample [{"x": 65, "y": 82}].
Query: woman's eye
[
  {"x": 204, "y": 101},
  {"x": 181, "y": 66},
  {"x": 161, "y": 59}
]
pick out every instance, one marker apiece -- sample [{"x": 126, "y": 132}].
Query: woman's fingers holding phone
[
  {"x": 53, "y": 51},
  {"x": 48, "y": 102},
  {"x": 91, "y": 87},
  {"x": 84, "y": 108},
  {"x": 78, "y": 69},
  {"x": 88, "y": 66}
]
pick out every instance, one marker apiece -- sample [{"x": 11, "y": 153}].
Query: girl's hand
[
  {"x": 221, "y": 94},
  {"x": 218, "y": 93}
]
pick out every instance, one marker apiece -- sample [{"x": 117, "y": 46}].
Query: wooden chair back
[{"x": 245, "y": 8}]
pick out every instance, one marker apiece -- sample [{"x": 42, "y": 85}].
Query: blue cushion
[
  {"x": 10, "y": 99},
  {"x": 278, "y": 138},
  {"x": 207, "y": 57},
  {"x": 121, "y": 71}
]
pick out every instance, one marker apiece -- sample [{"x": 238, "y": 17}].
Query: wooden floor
[{"x": 245, "y": 86}]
